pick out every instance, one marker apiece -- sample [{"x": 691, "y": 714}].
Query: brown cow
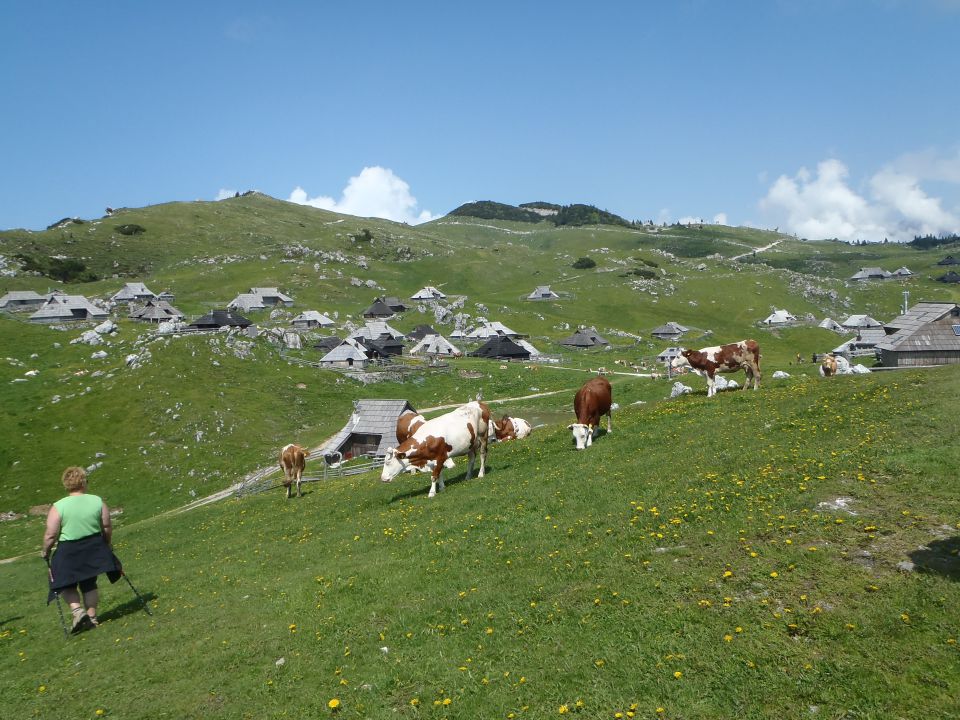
[
  {"x": 293, "y": 459},
  {"x": 743, "y": 355},
  {"x": 591, "y": 401}
]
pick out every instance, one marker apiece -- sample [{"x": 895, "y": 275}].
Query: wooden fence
[{"x": 272, "y": 478}]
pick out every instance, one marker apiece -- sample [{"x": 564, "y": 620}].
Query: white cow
[{"x": 460, "y": 432}]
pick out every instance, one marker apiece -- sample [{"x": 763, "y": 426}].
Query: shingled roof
[
  {"x": 919, "y": 329},
  {"x": 584, "y": 337},
  {"x": 371, "y": 417}
]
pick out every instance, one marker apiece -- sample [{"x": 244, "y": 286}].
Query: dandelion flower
[
  {"x": 678, "y": 674},
  {"x": 333, "y": 703},
  {"x": 563, "y": 709}
]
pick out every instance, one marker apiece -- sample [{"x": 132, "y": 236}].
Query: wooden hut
[
  {"x": 500, "y": 347},
  {"x": 927, "y": 334},
  {"x": 371, "y": 429}
]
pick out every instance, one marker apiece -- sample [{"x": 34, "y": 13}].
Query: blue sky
[{"x": 827, "y": 118}]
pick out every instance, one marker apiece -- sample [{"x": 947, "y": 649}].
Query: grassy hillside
[
  {"x": 198, "y": 414},
  {"x": 690, "y": 564},
  {"x": 684, "y": 562}
]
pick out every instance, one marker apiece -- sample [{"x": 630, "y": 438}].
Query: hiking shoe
[{"x": 84, "y": 623}]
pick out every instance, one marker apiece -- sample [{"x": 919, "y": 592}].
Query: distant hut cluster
[{"x": 875, "y": 273}]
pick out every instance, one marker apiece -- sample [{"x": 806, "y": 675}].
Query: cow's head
[
  {"x": 582, "y": 435},
  {"x": 681, "y": 360},
  {"x": 394, "y": 463}
]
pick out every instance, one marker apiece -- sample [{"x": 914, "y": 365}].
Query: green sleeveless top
[{"x": 79, "y": 516}]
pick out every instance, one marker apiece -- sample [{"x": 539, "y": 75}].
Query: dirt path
[{"x": 757, "y": 250}]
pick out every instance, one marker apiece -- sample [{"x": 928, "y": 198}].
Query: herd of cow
[{"x": 430, "y": 445}]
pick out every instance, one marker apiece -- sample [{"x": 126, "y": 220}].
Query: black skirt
[{"x": 78, "y": 560}]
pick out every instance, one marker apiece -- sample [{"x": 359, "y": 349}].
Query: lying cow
[
  {"x": 509, "y": 428},
  {"x": 460, "y": 432},
  {"x": 743, "y": 355},
  {"x": 591, "y": 401},
  {"x": 828, "y": 367},
  {"x": 293, "y": 459}
]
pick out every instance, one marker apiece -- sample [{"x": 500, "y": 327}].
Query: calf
[
  {"x": 460, "y": 432},
  {"x": 591, "y": 401},
  {"x": 743, "y": 355},
  {"x": 293, "y": 459}
]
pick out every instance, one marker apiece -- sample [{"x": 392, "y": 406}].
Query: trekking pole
[
  {"x": 63, "y": 622},
  {"x": 139, "y": 596}
]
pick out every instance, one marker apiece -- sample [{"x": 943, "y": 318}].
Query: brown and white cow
[
  {"x": 828, "y": 367},
  {"x": 743, "y": 355},
  {"x": 592, "y": 400},
  {"x": 506, "y": 428},
  {"x": 460, "y": 432},
  {"x": 293, "y": 459},
  {"x": 407, "y": 425},
  {"x": 509, "y": 428}
]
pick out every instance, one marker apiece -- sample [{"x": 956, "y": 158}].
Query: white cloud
[
  {"x": 720, "y": 219},
  {"x": 931, "y": 165},
  {"x": 225, "y": 193},
  {"x": 824, "y": 206},
  {"x": 375, "y": 192}
]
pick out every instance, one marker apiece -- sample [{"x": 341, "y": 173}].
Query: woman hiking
[{"x": 79, "y": 526}]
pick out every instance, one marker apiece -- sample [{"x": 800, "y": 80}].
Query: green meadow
[
  {"x": 685, "y": 566},
  {"x": 786, "y": 553}
]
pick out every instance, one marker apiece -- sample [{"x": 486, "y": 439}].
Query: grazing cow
[
  {"x": 407, "y": 425},
  {"x": 460, "y": 432},
  {"x": 293, "y": 459},
  {"x": 828, "y": 368},
  {"x": 591, "y": 401},
  {"x": 743, "y": 355}
]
